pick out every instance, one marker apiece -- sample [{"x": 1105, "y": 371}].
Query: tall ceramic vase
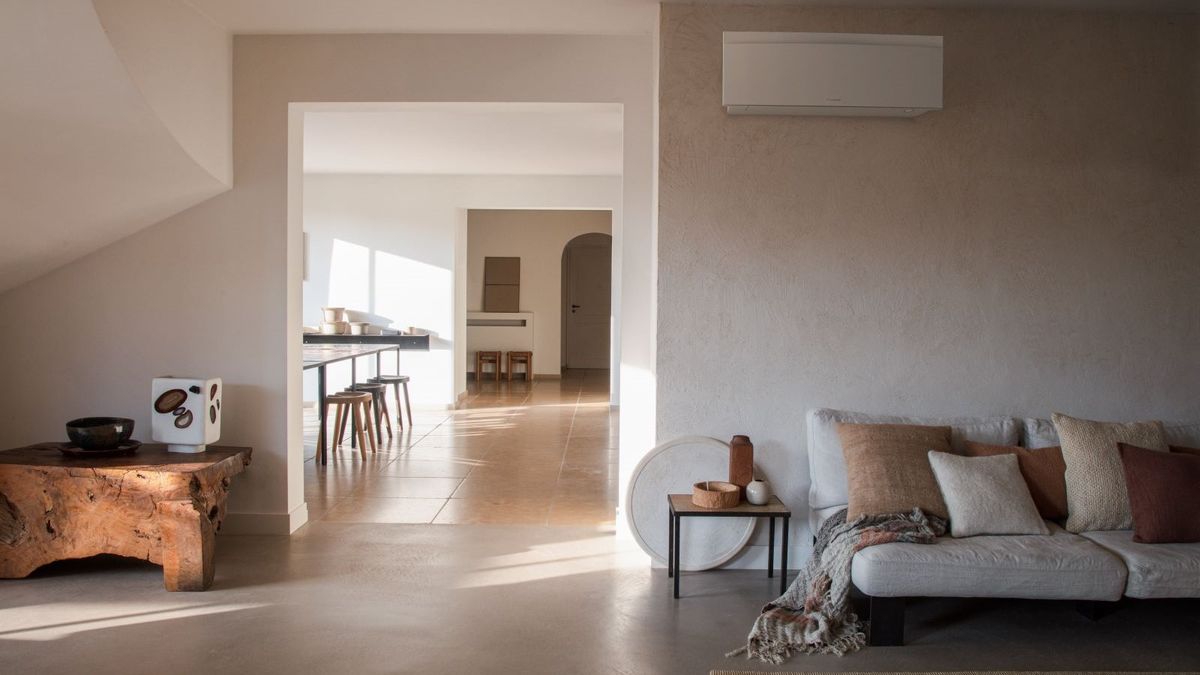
[
  {"x": 741, "y": 463},
  {"x": 186, "y": 412}
]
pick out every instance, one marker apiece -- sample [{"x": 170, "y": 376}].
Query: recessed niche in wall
[{"x": 501, "y": 284}]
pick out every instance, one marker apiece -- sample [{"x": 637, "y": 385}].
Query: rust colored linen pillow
[
  {"x": 1164, "y": 495},
  {"x": 1043, "y": 470},
  {"x": 887, "y": 468}
]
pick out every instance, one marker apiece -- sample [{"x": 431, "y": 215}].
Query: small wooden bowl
[{"x": 715, "y": 494}]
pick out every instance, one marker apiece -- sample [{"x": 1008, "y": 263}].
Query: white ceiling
[
  {"x": 546, "y": 16},
  {"x": 432, "y": 16},
  {"x": 466, "y": 139}
]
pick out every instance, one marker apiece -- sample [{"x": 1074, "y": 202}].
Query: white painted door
[{"x": 588, "y": 305}]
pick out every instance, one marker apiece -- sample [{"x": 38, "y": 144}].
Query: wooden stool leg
[
  {"x": 339, "y": 426},
  {"x": 375, "y": 410},
  {"x": 384, "y": 414},
  {"x": 478, "y": 371},
  {"x": 407, "y": 405},
  {"x": 529, "y": 368},
  {"x": 362, "y": 434},
  {"x": 399, "y": 418},
  {"x": 510, "y": 366},
  {"x": 320, "y": 436},
  {"x": 367, "y": 409},
  {"x": 498, "y": 368}
]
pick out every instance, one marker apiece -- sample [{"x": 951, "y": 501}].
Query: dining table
[{"x": 320, "y": 351}]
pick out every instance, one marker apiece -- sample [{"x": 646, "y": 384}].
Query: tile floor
[{"x": 519, "y": 453}]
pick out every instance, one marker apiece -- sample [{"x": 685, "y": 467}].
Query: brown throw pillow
[
  {"x": 1184, "y": 450},
  {"x": 1042, "y": 470},
  {"x": 1164, "y": 495},
  {"x": 887, "y": 467}
]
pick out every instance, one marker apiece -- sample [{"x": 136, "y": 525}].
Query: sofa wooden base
[{"x": 885, "y": 616}]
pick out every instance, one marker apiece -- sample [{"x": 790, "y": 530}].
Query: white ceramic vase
[
  {"x": 186, "y": 412},
  {"x": 758, "y": 492}
]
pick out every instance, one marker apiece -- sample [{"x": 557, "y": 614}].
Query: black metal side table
[{"x": 681, "y": 507}]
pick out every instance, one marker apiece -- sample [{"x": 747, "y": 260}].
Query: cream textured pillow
[
  {"x": 986, "y": 495},
  {"x": 1097, "y": 498}
]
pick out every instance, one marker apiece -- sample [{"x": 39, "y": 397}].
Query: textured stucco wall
[{"x": 1033, "y": 247}]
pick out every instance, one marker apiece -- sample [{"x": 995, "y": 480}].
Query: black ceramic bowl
[{"x": 99, "y": 433}]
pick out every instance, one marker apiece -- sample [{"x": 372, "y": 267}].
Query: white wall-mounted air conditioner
[{"x": 848, "y": 74}]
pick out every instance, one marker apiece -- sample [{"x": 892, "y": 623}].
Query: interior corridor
[{"x": 540, "y": 453}]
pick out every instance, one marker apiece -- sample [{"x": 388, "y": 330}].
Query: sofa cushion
[
  {"x": 1096, "y": 495},
  {"x": 887, "y": 467},
  {"x": 1060, "y": 566},
  {"x": 1043, "y": 470},
  {"x": 817, "y": 517},
  {"x": 985, "y": 495},
  {"x": 827, "y": 466},
  {"x": 1164, "y": 495},
  {"x": 1155, "y": 570},
  {"x": 1186, "y": 435},
  {"x": 1040, "y": 433}
]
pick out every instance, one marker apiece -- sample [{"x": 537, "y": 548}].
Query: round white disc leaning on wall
[{"x": 672, "y": 468}]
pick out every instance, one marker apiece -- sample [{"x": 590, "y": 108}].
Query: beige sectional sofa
[{"x": 1090, "y": 567}]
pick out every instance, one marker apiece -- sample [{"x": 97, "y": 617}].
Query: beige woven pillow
[
  {"x": 887, "y": 468},
  {"x": 1097, "y": 498}
]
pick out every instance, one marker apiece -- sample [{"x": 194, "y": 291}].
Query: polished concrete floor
[
  {"x": 548, "y": 589},
  {"x": 384, "y": 598},
  {"x": 540, "y": 453}
]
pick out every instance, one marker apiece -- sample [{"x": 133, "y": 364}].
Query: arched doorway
[{"x": 587, "y": 302}]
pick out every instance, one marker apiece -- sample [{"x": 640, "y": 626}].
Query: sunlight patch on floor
[
  {"x": 59, "y": 620},
  {"x": 604, "y": 552}
]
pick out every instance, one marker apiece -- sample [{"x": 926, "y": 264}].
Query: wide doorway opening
[{"x": 412, "y": 215}]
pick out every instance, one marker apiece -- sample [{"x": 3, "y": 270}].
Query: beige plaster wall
[
  {"x": 1033, "y": 247},
  {"x": 537, "y": 238}
]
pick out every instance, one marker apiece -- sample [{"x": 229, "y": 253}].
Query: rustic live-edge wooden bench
[{"x": 155, "y": 505}]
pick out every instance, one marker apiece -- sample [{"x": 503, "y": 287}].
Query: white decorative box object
[{"x": 186, "y": 412}]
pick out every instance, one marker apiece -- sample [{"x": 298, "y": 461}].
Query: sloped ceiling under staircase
[{"x": 113, "y": 116}]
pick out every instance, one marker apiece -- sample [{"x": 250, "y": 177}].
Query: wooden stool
[
  {"x": 486, "y": 357},
  {"x": 357, "y": 405},
  {"x": 521, "y": 357},
  {"x": 398, "y": 381},
  {"x": 378, "y": 394}
]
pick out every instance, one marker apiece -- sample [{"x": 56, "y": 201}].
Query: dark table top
[
  {"x": 150, "y": 456},
  {"x": 682, "y": 505},
  {"x": 410, "y": 342}
]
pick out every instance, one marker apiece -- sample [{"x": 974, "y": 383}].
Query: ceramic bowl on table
[
  {"x": 99, "y": 433},
  {"x": 359, "y": 327},
  {"x": 333, "y": 314}
]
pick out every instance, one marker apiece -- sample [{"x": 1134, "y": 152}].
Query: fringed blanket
[{"x": 814, "y": 616}]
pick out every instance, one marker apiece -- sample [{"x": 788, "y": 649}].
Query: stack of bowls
[{"x": 335, "y": 321}]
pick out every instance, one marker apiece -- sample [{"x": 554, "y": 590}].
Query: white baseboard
[{"x": 265, "y": 523}]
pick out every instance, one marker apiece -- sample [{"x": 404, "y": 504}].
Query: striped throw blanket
[{"x": 814, "y": 616}]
